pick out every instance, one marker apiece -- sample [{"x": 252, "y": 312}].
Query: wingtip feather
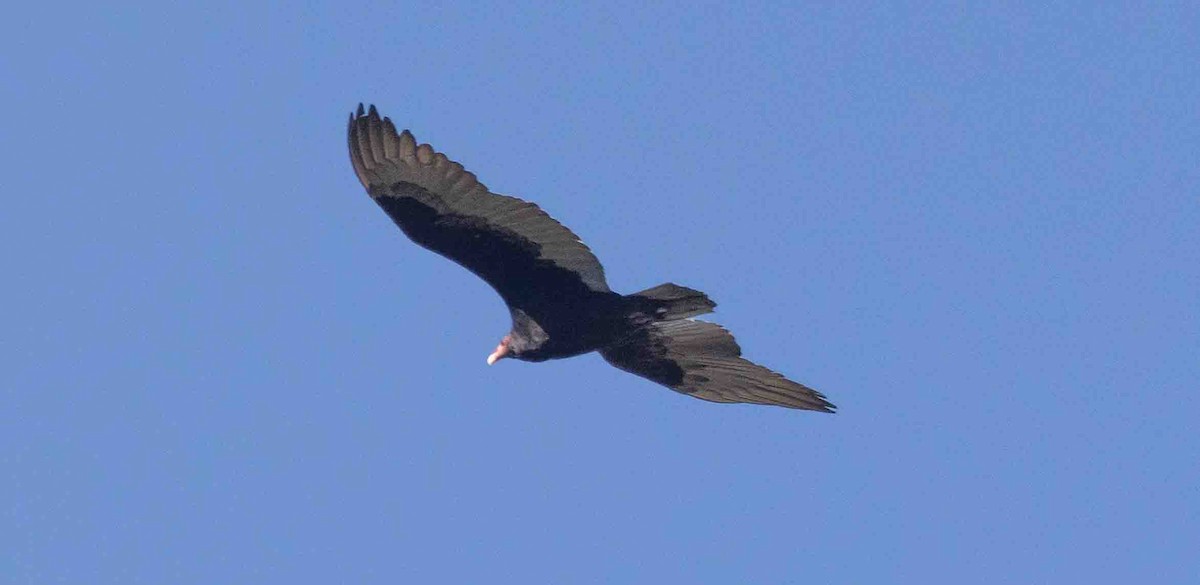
[{"x": 408, "y": 144}]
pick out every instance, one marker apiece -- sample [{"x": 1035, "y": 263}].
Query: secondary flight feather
[{"x": 554, "y": 286}]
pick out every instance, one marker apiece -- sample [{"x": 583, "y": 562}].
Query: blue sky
[{"x": 973, "y": 229}]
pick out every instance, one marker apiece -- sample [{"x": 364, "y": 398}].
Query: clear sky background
[{"x": 975, "y": 230}]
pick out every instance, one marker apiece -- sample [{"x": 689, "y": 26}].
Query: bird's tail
[{"x": 670, "y": 302}]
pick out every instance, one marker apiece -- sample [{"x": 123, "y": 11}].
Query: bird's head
[
  {"x": 502, "y": 351},
  {"x": 522, "y": 342}
]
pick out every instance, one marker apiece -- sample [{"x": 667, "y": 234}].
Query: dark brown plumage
[{"x": 554, "y": 286}]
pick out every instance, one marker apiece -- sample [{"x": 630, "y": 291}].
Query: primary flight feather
[{"x": 554, "y": 286}]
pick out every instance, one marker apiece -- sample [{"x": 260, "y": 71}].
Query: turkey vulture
[{"x": 554, "y": 286}]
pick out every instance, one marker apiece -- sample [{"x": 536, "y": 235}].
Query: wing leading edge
[
  {"x": 512, "y": 244},
  {"x": 702, "y": 359}
]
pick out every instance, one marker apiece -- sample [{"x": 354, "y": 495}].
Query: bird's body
[{"x": 555, "y": 289}]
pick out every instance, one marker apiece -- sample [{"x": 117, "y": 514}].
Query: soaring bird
[{"x": 554, "y": 286}]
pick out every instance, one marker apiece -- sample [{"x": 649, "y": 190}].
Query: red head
[{"x": 501, "y": 352}]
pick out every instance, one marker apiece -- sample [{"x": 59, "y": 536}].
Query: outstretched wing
[
  {"x": 523, "y": 253},
  {"x": 702, "y": 359}
]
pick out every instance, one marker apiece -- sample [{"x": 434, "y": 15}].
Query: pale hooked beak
[{"x": 500, "y": 353}]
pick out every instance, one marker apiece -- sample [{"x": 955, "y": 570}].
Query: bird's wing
[
  {"x": 522, "y": 252},
  {"x": 702, "y": 359}
]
